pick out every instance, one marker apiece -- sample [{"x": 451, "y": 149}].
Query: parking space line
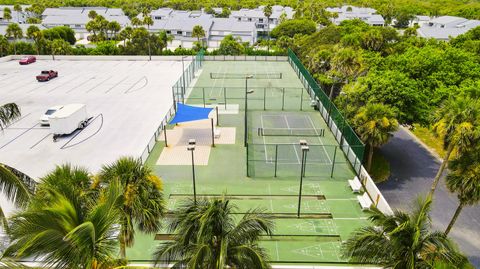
[{"x": 15, "y": 138}]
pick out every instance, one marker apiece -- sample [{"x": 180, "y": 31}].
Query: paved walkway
[{"x": 413, "y": 169}]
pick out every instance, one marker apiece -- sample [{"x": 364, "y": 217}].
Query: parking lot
[{"x": 126, "y": 101}]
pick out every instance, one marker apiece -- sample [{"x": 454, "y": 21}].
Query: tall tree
[
  {"x": 125, "y": 34},
  {"x": 11, "y": 185},
  {"x": 34, "y": 33},
  {"x": 207, "y": 235},
  {"x": 65, "y": 226},
  {"x": 464, "y": 180},
  {"x": 92, "y": 14},
  {"x": 402, "y": 240},
  {"x": 59, "y": 47},
  {"x": 458, "y": 124},
  {"x": 114, "y": 27},
  {"x": 7, "y": 14},
  {"x": 375, "y": 124},
  {"x": 4, "y": 45},
  {"x": 135, "y": 21},
  {"x": 267, "y": 11},
  {"x": 198, "y": 32},
  {"x": 18, "y": 9},
  {"x": 14, "y": 31},
  {"x": 164, "y": 39},
  {"x": 148, "y": 21},
  {"x": 143, "y": 203}
]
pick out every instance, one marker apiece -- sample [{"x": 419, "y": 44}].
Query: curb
[{"x": 421, "y": 143}]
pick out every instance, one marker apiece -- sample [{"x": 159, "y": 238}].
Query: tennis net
[
  {"x": 246, "y": 75},
  {"x": 290, "y": 132}
]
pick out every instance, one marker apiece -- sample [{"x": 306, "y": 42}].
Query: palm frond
[
  {"x": 8, "y": 113},
  {"x": 13, "y": 187}
]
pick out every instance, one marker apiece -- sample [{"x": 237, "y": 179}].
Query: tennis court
[{"x": 265, "y": 174}]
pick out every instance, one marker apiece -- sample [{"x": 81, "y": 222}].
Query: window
[
  {"x": 77, "y": 26},
  {"x": 260, "y": 20},
  {"x": 249, "y": 19},
  {"x": 179, "y": 32},
  {"x": 169, "y": 32},
  {"x": 157, "y": 18},
  {"x": 239, "y": 19}
]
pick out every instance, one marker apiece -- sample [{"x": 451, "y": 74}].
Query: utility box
[{"x": 68, "y": 119}]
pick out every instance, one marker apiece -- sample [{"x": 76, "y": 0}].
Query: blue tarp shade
[{"x": 190, "y": 113}]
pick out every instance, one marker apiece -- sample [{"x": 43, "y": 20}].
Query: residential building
[
  {"x": 77, "y": 17},
  {"x": 419, "y": 20},
  {"x": 368, "y": 15},
  {"x": 23, "y": 26},
  {"x": 258, "y": 17},
  {"x": 180, "y": 25},
  {"x": 446, "y": 27}
]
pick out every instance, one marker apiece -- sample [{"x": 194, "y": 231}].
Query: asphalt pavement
[{"x": 413, "y": 169}]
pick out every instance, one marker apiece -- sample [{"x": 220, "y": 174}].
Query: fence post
[
  {"x": 225, "y": 97},
  {"x": 203, "y": 96},
  {"x": 333, "y": 162},
  {"x": 264, "y": 98},
  {"x": 276, "y": 159},
  {"x": 301, "y": 100},
  {"x": 283, "y": 98}
]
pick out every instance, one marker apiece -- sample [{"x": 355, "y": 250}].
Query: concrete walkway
[{"x": 413, "y": 168}]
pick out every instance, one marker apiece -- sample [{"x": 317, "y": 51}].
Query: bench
[
  {"x": 355, "y": 184},
  {"x": 364, "y": 201},
  {"x": 216, "y": 133}
]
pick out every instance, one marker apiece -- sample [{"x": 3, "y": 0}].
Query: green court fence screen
[{"x": 342, "y": 128}]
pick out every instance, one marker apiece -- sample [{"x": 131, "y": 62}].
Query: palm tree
[
  {"x": 207, "y": 236},
  {"x": 34, "y": 33},
  {"x": 65, "y": 227},
  {"x": 14, "y": 187},
  {"x": 92, "y": 14},
  {"x": 267, "y": 11},
  {"x": 402, "y": 241},
  {"x": 59, "y": 47},
  {"x": 143, "y": 204},
  {"x": 164, "y": 39},
  {"x": 7, "y": 14},
  {"x": 458, "y": 124},
  {"x": 375, "y": 124},
  {"x": 464, "y": 180},
  {"x": 135, "y": 21},
  {"x": 347, "y": 64},
  {"x": 14, "y": 31},
  {"x": 125, "y": 34},
  {"x": 114, "y": 27},
  {"x": 148, "y": 21},
  {"x": 3, "y": 45},
  {"x": 198, "y": 32},
  {"x": 17, "y": 8}
]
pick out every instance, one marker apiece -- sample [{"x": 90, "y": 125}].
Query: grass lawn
[
  {"x": 428, "y": 137},
  {"x": 380, "y": 170}
]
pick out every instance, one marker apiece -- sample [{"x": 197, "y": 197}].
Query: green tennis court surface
[{"x": 279, "y": 115}]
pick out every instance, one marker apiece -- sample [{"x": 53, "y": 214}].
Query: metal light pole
[
  {"x": 246, "y": 108},
  {"x": 305, "y": 148},
  {"x": 191, "y": 147}
]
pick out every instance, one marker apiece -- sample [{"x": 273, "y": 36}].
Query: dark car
[
  {"x": 47, "y": 75},
  {"x": 27, "y": 60}
]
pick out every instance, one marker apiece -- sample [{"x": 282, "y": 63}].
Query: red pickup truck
[{"x": 47, "y": 75}]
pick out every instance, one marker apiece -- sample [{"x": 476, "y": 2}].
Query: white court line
[
  {"x": 288, "y": 126},
  {"x": 319, "y": 139},
  {"x": 264, "y": 142}
]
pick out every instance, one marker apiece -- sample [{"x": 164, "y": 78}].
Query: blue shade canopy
[{"x": 190, "y": 113}]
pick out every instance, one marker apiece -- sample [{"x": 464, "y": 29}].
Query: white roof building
[
  {"x": 180, "y": 24},
  {"x": 367, "y": 15},
  {"x": 77, "y": 17},
  {"x": 446, "y": 27},
  {"x": 258, "y": 17}
]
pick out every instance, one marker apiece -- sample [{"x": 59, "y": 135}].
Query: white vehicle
[
  {"x": 45, "y": 118},
  {"x": 68, "y": 119}
]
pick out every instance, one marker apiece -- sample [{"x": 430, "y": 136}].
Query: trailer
[{"x": 68, "y": 119}]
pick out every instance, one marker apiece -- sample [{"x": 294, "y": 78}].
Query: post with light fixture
[
  {"x": 246, "y": 108},
  {"x": 304, "y": 147},
  {"x": 191, "y": 147},
  {"x": 183, "y": 80}
]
